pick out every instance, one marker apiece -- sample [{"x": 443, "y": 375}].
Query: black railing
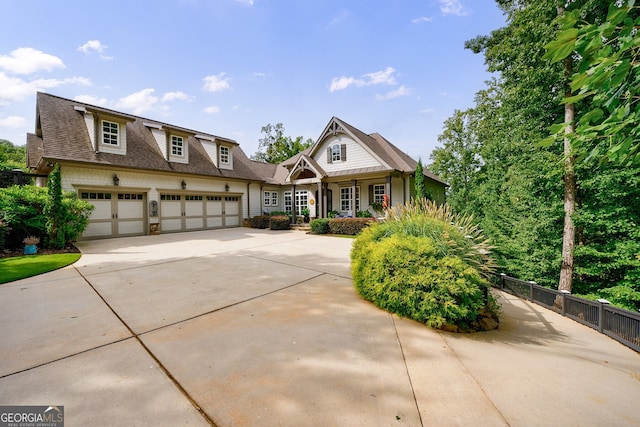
[{"x": 621, "y": 325}]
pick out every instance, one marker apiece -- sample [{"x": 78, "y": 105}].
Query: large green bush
[
  {"x": 427, "y": 264},
  {"x": 23, "y": 211},
  {"x": 319, "y": 226}
]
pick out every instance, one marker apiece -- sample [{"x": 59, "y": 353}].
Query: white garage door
[
  {"x": 115, "y": 214},
  {"x": 184, "y": 212}
]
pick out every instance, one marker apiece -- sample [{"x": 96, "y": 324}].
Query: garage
[
  {"x": 116, "y": 214},
  {"x": 186, "y": 212}
]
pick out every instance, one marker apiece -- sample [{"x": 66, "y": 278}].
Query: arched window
[{"x": 335, "y": 153}]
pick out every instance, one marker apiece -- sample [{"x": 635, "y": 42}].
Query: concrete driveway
[{"x": 245, "y": 327}]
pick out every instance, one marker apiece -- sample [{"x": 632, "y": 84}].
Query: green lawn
[{"x": 15, "y": 268}]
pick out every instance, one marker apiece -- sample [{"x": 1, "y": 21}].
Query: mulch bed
[{"x": 69, "y": 249}]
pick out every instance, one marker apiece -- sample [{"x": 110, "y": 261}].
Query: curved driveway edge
[{"x": 245, "y": 327}]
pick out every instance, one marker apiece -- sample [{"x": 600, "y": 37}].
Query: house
[{"x": 145, "y": 177}]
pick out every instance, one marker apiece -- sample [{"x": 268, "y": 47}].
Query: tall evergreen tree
[
  {"x": 55, "y": 210},
  {"x": 421, "y": 189}
]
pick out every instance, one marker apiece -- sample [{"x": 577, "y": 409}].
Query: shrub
[
  {"x": 319, "y": 226},
  {"x": 333, "y": 214},
  {"x": 351, "y": 226},
  {"x": 427, "y": 264},
  {"x": 364, "y": 214},
  {"x": 23, "y": 207},
  {"x": 279, "y": 222},
  {"x": 260, "y": 221},
  {"x": 279, "y": 213}
]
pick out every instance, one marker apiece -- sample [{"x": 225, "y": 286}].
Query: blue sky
[{"x": 228, "y": 67}]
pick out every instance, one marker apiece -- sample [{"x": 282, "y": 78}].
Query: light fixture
[
  {"x": 116, "y": 180},
  {"x": 226, "y": 187},
  {"x": 183, "y": 185},
  {"x": 50, "y": 164}
]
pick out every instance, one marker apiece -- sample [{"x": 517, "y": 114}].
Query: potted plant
[
  {"x": 305, "y": 213},
  {"x": 30, "y": 243}
]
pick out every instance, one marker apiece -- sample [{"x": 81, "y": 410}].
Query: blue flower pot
[{"x": 30, "y": 249}]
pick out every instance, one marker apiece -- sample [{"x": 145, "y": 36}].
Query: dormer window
[
  {"x": 224, "y": 155},
  {"x": 337, "y": 153},
  {"x": 110, "y": 133},
  {"x": 177, "y": 145}
]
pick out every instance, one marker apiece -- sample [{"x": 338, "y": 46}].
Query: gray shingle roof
[{"x": 65, "y": 138}]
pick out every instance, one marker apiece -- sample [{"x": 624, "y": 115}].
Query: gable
[{"x": 357, "y": 157}]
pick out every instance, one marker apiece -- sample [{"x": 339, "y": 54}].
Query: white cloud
[
  {"x": 216, "y": 83},
  {"x": 13, "y": 122},
  {"x": 259, "y": 74},
  {"x": 172, "y": 96},
  {"x": 212, "y": 109},
  {"x": 453, "y": 7},
  {"x": 422, "y": 19},
  {"x": 93, "y": 100},
  {"x": 427, "y": 111},
  {"x": 95, "y": 46},
  {"x": 16, "y": 89},
  {"x": 376, "y": 78},
  {"x": 401, "y": 91},
  {"x": 341, "y": 16},
  {"x": 138, "y": 102},
  {"x": 26, "y": 60},
  {"x": 249, "y": 2}
]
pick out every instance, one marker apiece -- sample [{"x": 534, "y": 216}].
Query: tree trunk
[{"x": 569, "y": 232}]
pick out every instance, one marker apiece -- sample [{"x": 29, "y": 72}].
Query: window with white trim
[
  {"x": 271, "y": 198},
  {"x": 345, "y": 199},
  {"x": 224, "y": 155},
  {"x": 336, "y": 153},
  {"x": 302, "y": 201},
  {"x": 287, "y": 202},
  {"x": 177, "y": 145},
  {"x": 378, "y": 193},
  {"x": 110, "y": 133}
]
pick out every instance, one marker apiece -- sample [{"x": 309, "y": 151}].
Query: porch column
[
  {"x": 354, "y": 186},
  {"x": 293, "y": 204},
  {"x": 325, "y": 200},
  {"x": 319, "y": 202},
  {"x": 387, "y": 189}
]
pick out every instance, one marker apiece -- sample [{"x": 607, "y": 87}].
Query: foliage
[
  {"x": 363, "y": 214},
  {"x": 350, "y": 226},
  {"x": 23, "y": 209},
  {"x": 11, "y": 157},
  {"x": 420, "y": 265},
  {"x": 260, "y": 221},
  {"x": 420, "y": 188},
  {"x": 279, "y": 213},
  {"x": 54, "y": 210},
  {"x": 279, "y": 222},
  {"x": 319, "y": 226},
  {"x": 333, "y": 214},
  {"x": 15, "y": 268},
  {"x": 31, "y": 240},
  {"x": 607, "y": 77},
  {"x": 274, "y": 147},
  {"x": 305, "y": 212},
  {"x": 459, "y": 158}
]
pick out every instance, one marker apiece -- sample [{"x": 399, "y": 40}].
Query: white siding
[{"x": 357, "y": 156}]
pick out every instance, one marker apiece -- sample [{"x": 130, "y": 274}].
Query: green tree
[
  {"x": 420, "y": 187},
  {"x": 607, "y": 72},
  {"x": 274, "y": 147},
  {"x": 11, "y": 157},
  {"x": 55, "y": 211},
  {"x": 458, "y": 160}
]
